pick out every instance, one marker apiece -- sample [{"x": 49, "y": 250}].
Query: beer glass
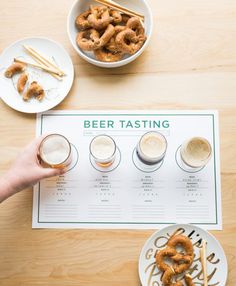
[
  {"x": 103, "y": 150},
  {"x": 196, "y": 152},
  {"x": 151, "y": 148},
  {"x": 55, "y": 151}
]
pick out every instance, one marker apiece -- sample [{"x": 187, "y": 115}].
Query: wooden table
[{"x": 190, "y": 64}]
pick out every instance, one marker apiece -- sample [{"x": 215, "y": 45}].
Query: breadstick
[
  {"x": 42, "y": 59},
  {"x": 203, "y": 262},
  {"x": 38, "y": 66}
]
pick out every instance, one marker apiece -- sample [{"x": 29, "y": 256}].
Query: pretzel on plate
[{"x": 181, "y": 261}]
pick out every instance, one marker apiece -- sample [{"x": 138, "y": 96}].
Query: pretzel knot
[
  {"x": 88, "y": 40},
  {"x": 111, "y": 45},
  {"x": 82, "y": 22},
  {"x": 106, "y": 36},
  {"x": 136, "y": 25},
  {"x": 105, "y": 55},
  {"x": 128, "y": 42},
  {"x": 181, "y": 260},
  {"x": 99, "y": 18},
  {"x": 116, "y": 16}
]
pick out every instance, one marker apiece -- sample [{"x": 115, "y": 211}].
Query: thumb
[{"x": 52, "y": 172}]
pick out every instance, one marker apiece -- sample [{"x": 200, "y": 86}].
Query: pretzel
[
  {"x": 119, "y": 29},
  {"x": 128, "y": 42},
  {"x": 116, "y": 16},
  {"x": 111, "y": 45},
  {"x": 21, "y": 83},
  {"x": 106, "y": 36},
  {"x": 135, "y": 24},
  {"x": 99, "y": 18},
  {"x": 88, "y": 40},
  {"x": 34, "y": 90},
  {"x": 125, "y": 18},
  {"x": 14, "y": 69},
  {"x": 181, "y": 261},
  {"x": 82, "y": 22},
  {"x": 188, "y": 280},
  {"x": 184, "y": 260},
  {"x": 161, "y": 255},
  {"x": 105, "y": 55},
  {"x": 168, "y": 277},
  {"x": 182, "y": 240}
]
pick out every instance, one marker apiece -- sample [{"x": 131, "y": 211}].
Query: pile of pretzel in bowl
[{"x": 109, "y": 34}]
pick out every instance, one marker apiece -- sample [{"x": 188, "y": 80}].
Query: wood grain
[{"x": 189, "y": 64}]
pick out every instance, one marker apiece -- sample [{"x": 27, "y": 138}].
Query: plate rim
[
  {"x": 182, "y": 225},
  {"x": 70, "y": 62}
]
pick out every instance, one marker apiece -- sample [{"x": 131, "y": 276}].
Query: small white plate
[
  {"x": 55, "y": 90},
  {"x": 217, "y": 266}
]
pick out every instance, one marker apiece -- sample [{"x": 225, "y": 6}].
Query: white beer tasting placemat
[{"x": 130, "y": 195}]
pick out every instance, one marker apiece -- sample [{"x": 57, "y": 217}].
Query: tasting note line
[{"x": 132, "y": 115}]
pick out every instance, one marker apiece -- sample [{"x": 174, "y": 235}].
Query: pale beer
[
  {"x": 103, "y": 150},
  {"x": 55, "y": 151},
  {"x": 196, "y": 152}
]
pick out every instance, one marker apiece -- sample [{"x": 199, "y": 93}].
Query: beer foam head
[
  {"x": 153, "y": 145},
  {"x": 55, "y": 149},
  {"x": 196, "y": 152},
  {"x": 102, "y": 147}
]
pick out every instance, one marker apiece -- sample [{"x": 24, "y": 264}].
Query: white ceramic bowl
[{"x": 80, "y": 6}]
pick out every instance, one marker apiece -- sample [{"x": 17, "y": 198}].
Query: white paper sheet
[{"x": 132, "y": 196}]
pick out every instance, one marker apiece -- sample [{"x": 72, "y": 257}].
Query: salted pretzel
[
  {"x": 116, "y": 16},
  {"x": 106, "y": 36},
  {"x": 105, "y": 55},
  {"x": 88, "y": 40},
  {"x": 188, "y": 280},
  {"x": 132, "y": 39},
  {"x": 21, "y": 83},
  {"x": 128, "y": 42},
  {"x": 168, "y": 276},
  {"x": 135, "y": 24},
  {"x": 161, "y": 255},
  {"x": 99, "y": 18},
  {"x": 111, "y": 45},
  {"x": 125, "y": 18},
  {"x": 82, "y": 22},
  {"x": 185, "y": 260},
  {"x": 14, "y": 69},
  {"x": 34, "y": 90},
  {"x": 181, "y": 261}
]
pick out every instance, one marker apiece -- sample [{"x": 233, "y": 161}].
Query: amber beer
[
  {"x": 55, "y": 151},
  {"x": 151, "y": 148},
  {"x": 103, "y": 150},
  {"x": 196, "y": 152}
]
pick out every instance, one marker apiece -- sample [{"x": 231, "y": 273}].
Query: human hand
[{"x": 26, "y": 171}]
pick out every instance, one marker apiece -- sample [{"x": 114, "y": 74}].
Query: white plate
[
  {"x": 216, "y": 265},
  {"x": 56, "y": 90}
]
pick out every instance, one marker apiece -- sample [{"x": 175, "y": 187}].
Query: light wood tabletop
[{"x": 189, "y": 64}]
